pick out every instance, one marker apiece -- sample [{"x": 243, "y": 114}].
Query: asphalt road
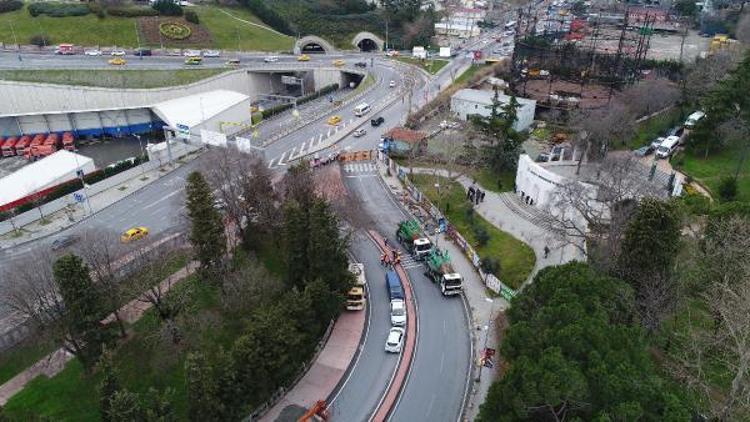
[{"x": 436, "y": 386}]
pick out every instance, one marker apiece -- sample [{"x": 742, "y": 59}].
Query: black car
[
  {"x": 377, "y": 121},
  {"x": 142, "y": 52},
  {"x": 63, "y": 242},
  {"x": 360, "y": 64}
]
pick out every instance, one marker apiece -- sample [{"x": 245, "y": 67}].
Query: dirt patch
[{"x": 149, "y": 29}]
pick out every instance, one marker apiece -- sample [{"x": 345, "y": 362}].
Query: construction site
[{"x": 564, "y": 61}]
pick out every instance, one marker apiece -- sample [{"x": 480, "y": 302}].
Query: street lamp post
[{"x": 140, "y": 162}]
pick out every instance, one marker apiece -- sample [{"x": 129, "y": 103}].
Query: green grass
[
  {"x": 710, "y": 171},
  {"x": 83, "y": 30},
  {"x": 432, "y": 66},
  {"x": 22, "y": 356},
  {"x": 111, "y": 78},
  {"x": 90, "y": 30},
  {"x": 225, "y": 31},
  {"x": 488, "y": 180},
  {"x": 652, "y": 129},
  {"x": 468, "y": 73},
  {"x": 516, "y": 258}
]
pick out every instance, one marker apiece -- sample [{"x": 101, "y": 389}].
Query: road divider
[{"x": 390, "y": 398}]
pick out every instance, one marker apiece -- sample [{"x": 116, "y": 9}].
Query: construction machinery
[
  {"x": 440, "y": 270},
  {"x": 410, "y": 235}
]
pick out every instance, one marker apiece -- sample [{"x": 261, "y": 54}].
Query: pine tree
[
  {"x": 207, "y": 230},
  {"x": 125, "y": 407},
  {"x": 202, "y": 390},
  {"x": 157, "y": 406},
  {"x": 108, "y": 386},
  {"x": 80, "y": 325}
]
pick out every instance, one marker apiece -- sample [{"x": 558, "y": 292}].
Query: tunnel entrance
[
  {"x": 313, "y": 48},
  {"x": 367, "y": 45},
  {"x": 351, "y": 80}
]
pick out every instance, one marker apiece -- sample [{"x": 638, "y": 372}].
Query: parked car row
[
  {"x": 665, "y": 146},
  {"x": 68, "y": 49}
]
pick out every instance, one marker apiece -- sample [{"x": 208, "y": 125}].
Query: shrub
[
  {"x": 58, "y": 10},
  {"x": 10, "y": 5},
  {"x": 167, "y": 8},
  {"x": 490, "y": 266},
  {"x": 40, "y": 39},
  {"x": 696, "y": 204},
  {"x": 728, "y": 189},
  {"x": 175, "y": 31},
  {"x": 192, "y": 17},
  {"x": 132, "y": 12},
  {"x": 482, "y": 235}
]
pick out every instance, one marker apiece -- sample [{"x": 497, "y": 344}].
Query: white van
[
  {"x": 668, "y": 147},
  {"x": 361, "y": 109},
  {"x": 694, "y": 118}
]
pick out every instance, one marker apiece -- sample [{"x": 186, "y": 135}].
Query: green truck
[
  {"x": 410, "y": 235},
  {"x": 440, "y": 270}
]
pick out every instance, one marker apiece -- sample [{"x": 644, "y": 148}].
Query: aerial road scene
[{"x": 374, "y": 210}]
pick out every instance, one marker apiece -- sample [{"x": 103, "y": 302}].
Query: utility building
[{"x": 467, "y": 102}]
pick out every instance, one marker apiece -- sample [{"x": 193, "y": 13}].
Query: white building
[
  {"x": 467, "y": 102},
  {"x": 460, "y": 28}
]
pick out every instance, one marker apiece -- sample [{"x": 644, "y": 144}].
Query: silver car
[{"x": 395, "y": 340}]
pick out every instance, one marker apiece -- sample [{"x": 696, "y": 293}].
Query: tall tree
[
  {"x": 203, "y": 387},
  {"x": 84, "y": 309},
  {"x": 108, "y": 386},
  {"x": 647, "y": 258},
  {"x": 207, "y": 229},
  {"x": 574, "y": 353}
]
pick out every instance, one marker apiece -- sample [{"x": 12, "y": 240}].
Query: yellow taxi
[
  {"x": 135, "y": 233},
  {"x": 194, "y": 60},
  {"x": 117, "y": 61},
  {"x": 334, "y": 120},
  {"x": 303, "y": 58},
  {"x": 339, "y": 62}
]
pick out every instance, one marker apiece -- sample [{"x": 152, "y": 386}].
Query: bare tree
[
  {"x": 593, "y": 209},
  {"x": 248, "y": 286},
  {"x": 706, "y": 73},
  {"x": 599, "y": 129},
  {"x": 100, "y": 249},
  {"x": 650, "y": 96},
  {"x": 724, "y": 262},
  {"x": 743, "y": 29},
  {"x": 151, "y": 286}
]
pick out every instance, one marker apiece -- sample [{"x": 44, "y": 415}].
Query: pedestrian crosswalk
[
  {"x": 364, "y": 168},
  {"x": 408, "y": 262}
]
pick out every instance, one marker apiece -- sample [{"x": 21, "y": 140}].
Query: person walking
[
  {"x": 482, "y": 199},
  {"x": 546, "y": 251}
]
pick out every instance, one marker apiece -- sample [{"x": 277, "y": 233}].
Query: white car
[
  {"x": 392, "y": 84},
  {"x": 270, "y": 59},
  {"x": 398, "y": 313},
  {"x": 359, "y": 133},
  {"x": 445, "y": 124},
  {"x": 395, "y": 340},
  {"x": 211, "y": 53},
  {"x": 191, "y": 53},
  {"x": 117, "y": 53},
  {"x": 93, "y": 52},
  {"x": 174, "y": 52}
]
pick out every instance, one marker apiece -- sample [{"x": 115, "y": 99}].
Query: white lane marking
[
  {"x": 162, "y": 199},
  {"x": 302, "y": 148},
  {"x": 281, "y": 159},
  {"x": 442, "y": 361},
  {"x": 270, "y": 163}
]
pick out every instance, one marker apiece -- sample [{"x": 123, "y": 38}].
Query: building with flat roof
[{"x": 467, "y": 102}]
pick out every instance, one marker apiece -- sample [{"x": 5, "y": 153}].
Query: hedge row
[
  {"x": 58, "y": 10},
  {"x": 10, "y": 5},
  {"x": 132, "y": 12}
]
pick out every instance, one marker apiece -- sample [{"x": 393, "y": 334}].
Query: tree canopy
[{"x": 574, "y": 352}]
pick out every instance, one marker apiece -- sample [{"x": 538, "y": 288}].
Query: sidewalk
[
  {"x": 74, "y": 212},
  {"x": 328, "y": 367},
  {"x": 55, "y": 362},
  {"x": 497, "y": 210}
]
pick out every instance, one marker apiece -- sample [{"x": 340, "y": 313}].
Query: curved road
[{"x": 437, "y": 384}]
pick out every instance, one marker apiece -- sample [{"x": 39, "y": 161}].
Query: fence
[
  {"x": 490, "y": 280},
  {"x": 59, "y": 204}
]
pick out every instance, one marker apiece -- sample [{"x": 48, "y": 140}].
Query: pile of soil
[{"x": 149, "y": 29}]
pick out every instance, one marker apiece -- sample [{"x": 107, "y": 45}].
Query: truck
[
  {"x": 409, "y": 234},
  {"x": 355, "y": 299},
  {"x": 393, "y": 284},
  {"x": 68, "y": 141},
  {"x": 440, "y": 270},
  {"x": 22, "y": 144}
]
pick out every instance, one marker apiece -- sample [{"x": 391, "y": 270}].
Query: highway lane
[
  {"x": 440, "y": 370},
  {"x": 358, "y": 397}
]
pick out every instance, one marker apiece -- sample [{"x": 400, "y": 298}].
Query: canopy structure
[
  {"x": 42, "y": 175},
  {"x": 194, "y": 110}
]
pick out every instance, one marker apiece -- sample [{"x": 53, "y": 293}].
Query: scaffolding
[{"x": 566, "y": 62}]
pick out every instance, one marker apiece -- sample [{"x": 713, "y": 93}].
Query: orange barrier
[{"x": 366, "y": 155}]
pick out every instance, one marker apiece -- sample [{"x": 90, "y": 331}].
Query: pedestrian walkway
[
  {"x": 74, "y": 213},
  {"x": 55, "y": 362},
  {"x": 328, "y": 367}
]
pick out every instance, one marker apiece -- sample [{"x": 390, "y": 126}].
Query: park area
[
  {"x": 432, "y": 66},
  {"x": 111, "y": 78},
  {"x": 515, "y": 260}
]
